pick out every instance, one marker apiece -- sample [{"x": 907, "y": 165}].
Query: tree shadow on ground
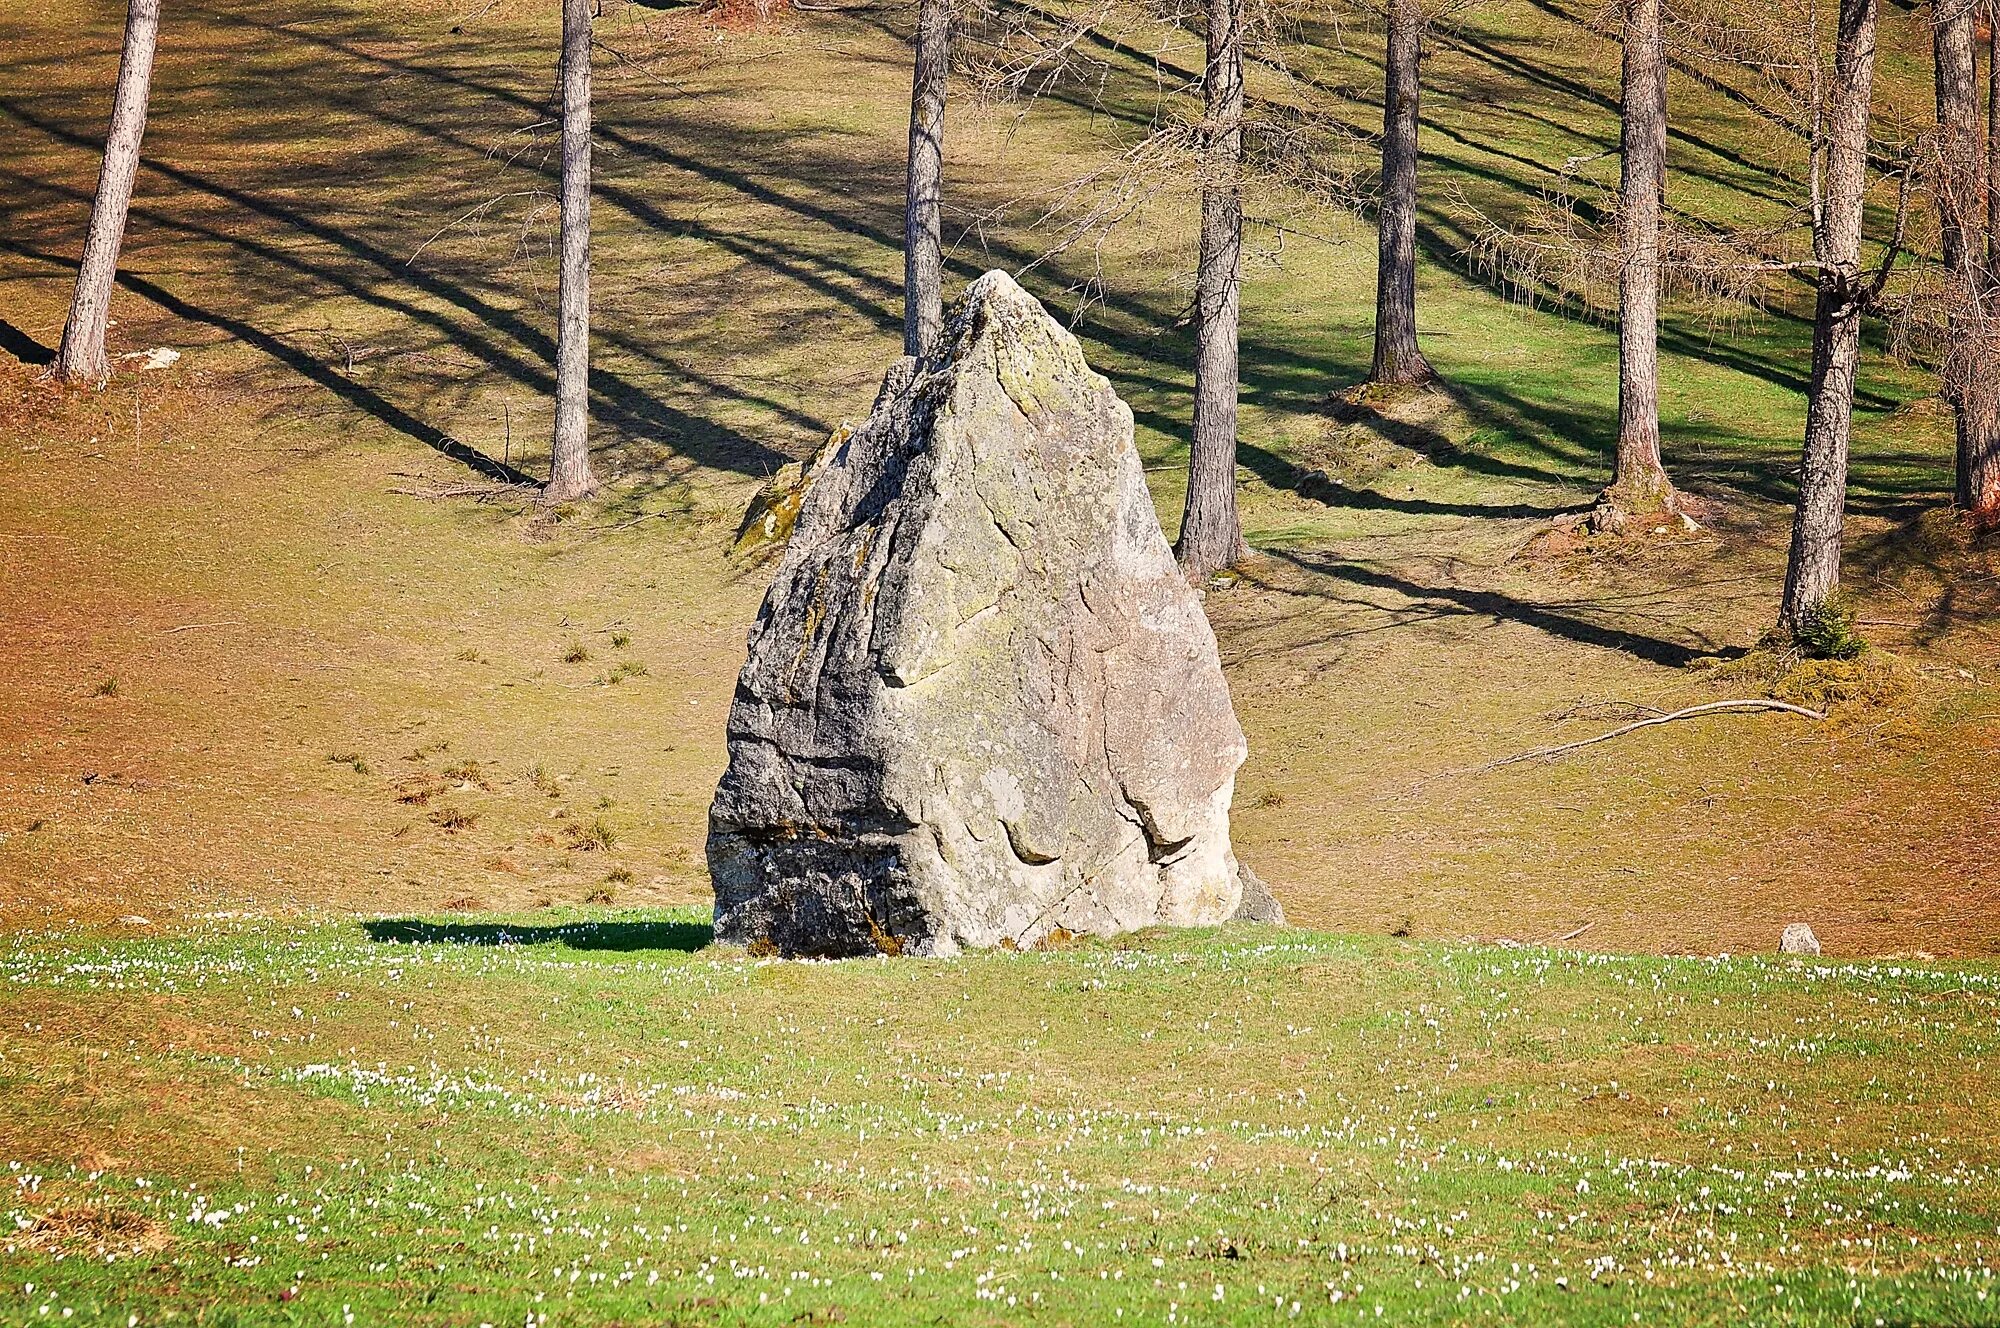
[
  {"x": 1319, "y": 487},
  {"x": 24, "y": 347},
  {"x": 354, "y": 394},
  {"x": 683, "y": 937},
  {"x": 1573, "y": 621},
  {"x": 502, "y": 337},
  {"x": 432, "y": 117}
]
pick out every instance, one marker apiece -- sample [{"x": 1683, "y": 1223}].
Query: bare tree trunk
[
  {"x": 1812, "y": 575},
  {"x": 1993, "y": 145},
  {"x": 1969, "y": 371},
  {"x": 1211, "y": 533},
  {"x": 81, "y": 358},
  {"x": 923, "y": 221},
  {"x": 1638, "y": 480},
  {"x": 1398, "y": 360},
  {"x": 569, "y": 461}
]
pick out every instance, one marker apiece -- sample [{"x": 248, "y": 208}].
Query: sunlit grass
[{"x": 590, "y": 1117}]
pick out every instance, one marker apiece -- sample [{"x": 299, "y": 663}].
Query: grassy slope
[
  {"x": 299, "y": 649},
  {"x": 1250, "y": 1126},
  {"x": 746, "y": 284}
]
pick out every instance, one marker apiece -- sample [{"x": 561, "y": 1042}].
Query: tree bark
[
  {"x": 1968, "y": 372},
  {"x": 923, "y": 220},
  {"x": 1398, "y": 360},
  {"x": 570, "y": 476},
  {"x": 1812, "y": 573},
  {"x": 1993, "y": 146},
  {"x": 1638, "y": 479},
  {"x": 1211, "y": 535},
  {"x": 81, "y": 357}
]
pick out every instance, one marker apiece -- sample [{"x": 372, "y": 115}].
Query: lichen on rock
[{"x": 981, "y": 704}]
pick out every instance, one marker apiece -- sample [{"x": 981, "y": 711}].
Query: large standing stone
[{"x": 981, "y": 703}]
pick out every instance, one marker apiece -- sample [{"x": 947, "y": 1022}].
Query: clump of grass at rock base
[{"x": 584, "y": 1117}]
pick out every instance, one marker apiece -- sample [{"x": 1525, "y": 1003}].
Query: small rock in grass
[{"x": 1798, "y": 939}]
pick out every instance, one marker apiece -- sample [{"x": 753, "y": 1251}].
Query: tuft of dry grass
[
  {"x": 418, "y": 790},
  {"x": 468, "y": 772},
  {"x": 96, "y": 1230},
  {"x": 454, "y": 819},
  {"x": 1875, "y": 679},
  {"x": 589, "y": 836}
]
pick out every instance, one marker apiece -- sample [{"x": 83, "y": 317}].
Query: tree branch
[{"x": 1712, "y": 707}]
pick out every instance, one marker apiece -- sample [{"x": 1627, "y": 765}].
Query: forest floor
[{"x": 271, "y": 666}]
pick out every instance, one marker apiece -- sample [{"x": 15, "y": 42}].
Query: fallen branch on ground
[
  {"x": 194, "y": 627},
  {"x": 1712, "y": 707}
]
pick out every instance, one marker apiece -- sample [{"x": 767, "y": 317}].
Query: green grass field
[
  {"x": 373, "y": 1055},
  {"x": 571, "y": 1118}
]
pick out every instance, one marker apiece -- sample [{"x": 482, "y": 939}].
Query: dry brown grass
[
  {"x": 1841, "y": 688},
  {"x": 96, "y": 1231}
]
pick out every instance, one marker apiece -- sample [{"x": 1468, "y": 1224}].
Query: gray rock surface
[
  {"x": 1259, "y": 904},
  {"x": 1798, "y": 939},
  {"x": 981, "y": 704}
]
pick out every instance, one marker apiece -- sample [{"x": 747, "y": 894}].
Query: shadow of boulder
[{"x": 685, "y": 937}]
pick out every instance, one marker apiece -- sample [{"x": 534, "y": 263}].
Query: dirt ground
[{"x": 259, "y": 656}]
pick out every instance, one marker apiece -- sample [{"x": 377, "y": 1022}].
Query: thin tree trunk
[
  {"x": 923, "y": 221},
  {"x": 1993, "y": 146},
  {"x": 1958, "y": 184},
  {"x": 569, "y": 463},
  {"x": 1638, "y": 480},
  {"x": 81, "y": 358},
  {"x": 1968, "y": 371},
  {"x": 1812, "y": 574},
  {"x": 1398, "y": 360},
  {"x": 1211, "y": 533}
]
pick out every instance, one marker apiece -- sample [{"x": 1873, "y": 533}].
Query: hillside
[{"x": 263, "y": 659}]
